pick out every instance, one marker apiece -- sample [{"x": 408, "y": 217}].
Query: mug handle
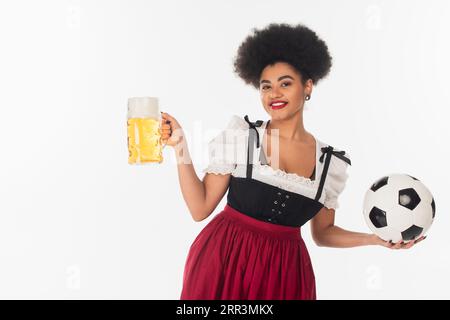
[{"x": 160, "y": 140}]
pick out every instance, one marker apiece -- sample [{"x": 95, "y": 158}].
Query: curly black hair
[{"x": 280, "y": 42}]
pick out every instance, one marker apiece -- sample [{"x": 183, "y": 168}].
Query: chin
[{"x": 280, "y": 114}]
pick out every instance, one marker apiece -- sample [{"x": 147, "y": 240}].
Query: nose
[{"x": 274, "y": 93}]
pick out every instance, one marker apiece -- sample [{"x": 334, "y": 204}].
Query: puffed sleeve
[
  {"x": 336, "y": 180},
  {"x": 225, "y": 149}
]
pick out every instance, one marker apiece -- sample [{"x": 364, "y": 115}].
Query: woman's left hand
[{"x": 396, "y": 245}]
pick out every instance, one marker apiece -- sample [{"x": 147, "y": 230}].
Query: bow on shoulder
[
  {"x": 339, "y": 154},
  {"x": 254, "y": 125}
]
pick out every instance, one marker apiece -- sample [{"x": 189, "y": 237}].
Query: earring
[{"x": 307, "y": 97}]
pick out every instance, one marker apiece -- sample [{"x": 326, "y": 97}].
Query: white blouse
[{"x": 228, "y": 155}]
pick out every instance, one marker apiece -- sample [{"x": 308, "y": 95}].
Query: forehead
[{"x": 277, "y": 69}]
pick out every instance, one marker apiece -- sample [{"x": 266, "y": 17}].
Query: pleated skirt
[{"x": 238, "y": 257}]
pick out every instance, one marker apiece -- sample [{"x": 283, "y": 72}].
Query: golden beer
[
  {"x": 144, "y": 131},
  {"x": 144, "y": 141}
]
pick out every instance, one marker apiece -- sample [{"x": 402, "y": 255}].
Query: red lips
[{"x": 278, "y": 106}]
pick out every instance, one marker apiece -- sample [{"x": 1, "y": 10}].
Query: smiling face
[{"x": 282, "y": 82}]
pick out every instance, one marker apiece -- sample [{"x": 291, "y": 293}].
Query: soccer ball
[{"x": 399, "y": 207}]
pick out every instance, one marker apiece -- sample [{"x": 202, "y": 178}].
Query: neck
[{"x": 290, "y": 128}]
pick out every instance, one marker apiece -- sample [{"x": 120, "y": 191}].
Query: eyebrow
[{"x": 279, "y": 79}]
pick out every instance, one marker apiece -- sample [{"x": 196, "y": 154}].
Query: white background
[{"x": 77, "y": 221}]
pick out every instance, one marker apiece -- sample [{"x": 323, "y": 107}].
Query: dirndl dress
[{"x": 253, "y": 248}]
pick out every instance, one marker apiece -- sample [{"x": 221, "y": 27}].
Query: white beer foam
[{"x": 143, "y": 107}]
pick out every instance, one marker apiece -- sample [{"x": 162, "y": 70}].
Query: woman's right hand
[{"x": 171, "y": 131}]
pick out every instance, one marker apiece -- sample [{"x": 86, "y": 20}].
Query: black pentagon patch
[
  {"x": 433, "y": 206},
  {"x": 378, "y": 217},
  {"x": 378, "y": 184},
  {"x": 408, "y": 198},
  {"x": 411, "y": 233},
  {"x": 413, "y": 177}
]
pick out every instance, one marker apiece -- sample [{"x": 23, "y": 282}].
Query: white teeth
[{"x": 278, "y": 104}]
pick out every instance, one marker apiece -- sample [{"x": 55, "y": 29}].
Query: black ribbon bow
[
  {"x": 339, "y": 154},
  {"x": 254, "y": 125}
]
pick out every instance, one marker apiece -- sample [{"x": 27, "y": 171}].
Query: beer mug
[{"x": 144, "y": 131}]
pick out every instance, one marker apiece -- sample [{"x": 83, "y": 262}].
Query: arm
[
  {"x": 201, "y": 196},
  {"x": 326, "y": 234}
]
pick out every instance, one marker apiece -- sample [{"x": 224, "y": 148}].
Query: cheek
[
  {"x": 264, "y": 98},
  {"x": 296, "y": 95}
]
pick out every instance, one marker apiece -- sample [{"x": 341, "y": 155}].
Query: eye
[{"x": 284, "y": 83}]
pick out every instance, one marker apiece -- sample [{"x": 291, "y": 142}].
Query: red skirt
[{"x": 237, "y": 257}]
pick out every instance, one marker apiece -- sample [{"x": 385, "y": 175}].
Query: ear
[{"x": 309, "y": 87}]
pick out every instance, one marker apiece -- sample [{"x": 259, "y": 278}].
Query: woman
[{"x": 253, "y": 248}]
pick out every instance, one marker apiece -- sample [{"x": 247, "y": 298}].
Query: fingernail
[
  {"x": 425, "y": 237},
  {"x": 390, "y": 241}
]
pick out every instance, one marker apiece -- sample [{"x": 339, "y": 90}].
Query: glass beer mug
[{"x": 144, "y": 131}]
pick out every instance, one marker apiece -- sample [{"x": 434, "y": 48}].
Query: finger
[
  {"x": 420, "y": 239},
  {"x": 166, "y": 116},
  {"x": 408, "y": 245},
  {"x": 165, "y": 126},
  {"x": 166, "y": 120},
  {"x": 397, "y": 245},
  {"x": 390, "y": 244}
]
